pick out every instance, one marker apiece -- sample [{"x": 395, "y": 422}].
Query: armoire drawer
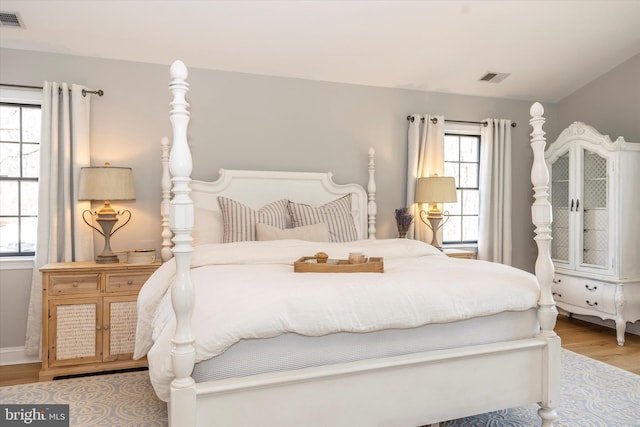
[{"x": 585, "y": 293}]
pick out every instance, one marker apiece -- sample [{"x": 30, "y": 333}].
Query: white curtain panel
[
  {"x": 494, "y": 239},
  {"x": 64, "y": 149},
  {"x": 425, "y": 157}
]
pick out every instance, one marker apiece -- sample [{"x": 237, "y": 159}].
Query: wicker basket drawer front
[
  {"x": 76, "y": 331},
  {"x": 123, "y": 282},
  {"x": 121, "y": 331},
  {"x": 77, "y": 283}
]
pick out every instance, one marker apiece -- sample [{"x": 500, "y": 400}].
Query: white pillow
[
  {"x": 336, "y": 214},
  {"x": 240, "y": 220},
  {"x": 208, "y": 227},
  {"x": 312, "y": 233}
]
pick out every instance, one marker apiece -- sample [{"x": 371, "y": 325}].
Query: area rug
[
  {"x": 594, "y": 394},
  {"x": 123, "y": 399}
]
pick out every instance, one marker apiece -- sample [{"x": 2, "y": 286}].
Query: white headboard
[{"x": 257, "y": 188}]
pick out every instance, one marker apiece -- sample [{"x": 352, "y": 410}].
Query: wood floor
[{"x": 597, "y": 342}]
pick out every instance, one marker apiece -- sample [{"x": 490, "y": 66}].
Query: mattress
[
  {"x": 293, "y": 351},
  {"x": 248, "y": 291}
]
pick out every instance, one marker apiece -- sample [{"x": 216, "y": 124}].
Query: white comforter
[{"x": 249, "y": 290}]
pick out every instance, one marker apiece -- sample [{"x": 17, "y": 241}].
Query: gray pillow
[{"x": 336, "y": 214}]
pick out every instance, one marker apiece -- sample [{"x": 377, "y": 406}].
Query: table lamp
[
  {"x": 106, "y": 184},
  {"x": 435, "y": 190}
]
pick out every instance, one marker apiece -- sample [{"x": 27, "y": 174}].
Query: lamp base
[
  {"x": 107, "y": 256},
  {"x": 107, "y": 259},
  {"x": 435, "y": 226},
  {"x": 434, "y": 220},
  {"x": 107, "y": 218}
]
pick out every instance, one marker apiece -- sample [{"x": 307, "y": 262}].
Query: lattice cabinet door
[
  {"x": 595, "y": 229},
  {"x": 75, "y": 329},
  {"x": 119, "y": 327},
  {"x": 560, "y": 200},
  {"x": 582, "y": 218}
]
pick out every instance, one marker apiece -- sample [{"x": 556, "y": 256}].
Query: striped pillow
[
  {"x": 336, "y": 214},
  {"x": 240, "y": 220}
]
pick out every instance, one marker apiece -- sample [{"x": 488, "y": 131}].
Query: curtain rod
[
  {"x": 434, "y": 120},
  {"x": 98, "y": 92}
]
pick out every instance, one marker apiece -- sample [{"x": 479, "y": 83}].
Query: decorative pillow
[
  {"x": 240, "y": 220},
  {"x": 311, "y": 233},
  {"x": 208, "y": 227},
  {"x": 336, "y": 214}
]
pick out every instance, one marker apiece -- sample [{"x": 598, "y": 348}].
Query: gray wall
[
  {"x": 14, "y": 301},
  {"x": 255, "y": 122},
  {"x": 610, "y": 103}
]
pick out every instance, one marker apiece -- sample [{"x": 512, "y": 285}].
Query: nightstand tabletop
[
  {"x": 459, "y": 253},
  {"x": 92, "y": 265}
]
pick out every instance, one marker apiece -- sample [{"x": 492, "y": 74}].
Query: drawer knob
[
  {"x": 75, "y": 284},
  {"x": 557, "y": 280},
  {"x": 590, "y": 288},
  {"x": 592, "y": 304},
  {"x": 129, "y": 282}
]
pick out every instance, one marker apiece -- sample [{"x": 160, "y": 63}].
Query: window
[
  {"x": 20, "y": 118},
  {"x": 462, "y": 161}
]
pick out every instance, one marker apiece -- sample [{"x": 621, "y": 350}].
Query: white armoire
[{"x": 595, "y": 193}]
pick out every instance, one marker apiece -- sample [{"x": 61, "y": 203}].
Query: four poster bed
[{"x": 235, "y": 337}]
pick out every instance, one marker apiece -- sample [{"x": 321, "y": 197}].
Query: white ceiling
[{"x": 550, "y": 47}]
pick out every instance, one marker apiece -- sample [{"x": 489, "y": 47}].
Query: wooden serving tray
[{"x": 373, "y": 265}]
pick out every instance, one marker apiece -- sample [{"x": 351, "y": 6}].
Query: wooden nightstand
[
  {"x": 459, "y": 253},
  {"x": 89, "y": 316}
]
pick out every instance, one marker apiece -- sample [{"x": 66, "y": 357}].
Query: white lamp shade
[
  {"x": 436, "y": 189},
  {"x": 106, "y": 183}
]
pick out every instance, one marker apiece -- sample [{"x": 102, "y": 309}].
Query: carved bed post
[
  {"x": 182, "y": 406},
  {"x": 372, "y": 208},
  {"x": 165, "y": 185},
  {"x": 541, "y": 215}
]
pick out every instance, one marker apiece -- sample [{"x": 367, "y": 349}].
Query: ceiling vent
[
  {"x": 494, "y": 77},
  {"x": 10, "y": 19}
]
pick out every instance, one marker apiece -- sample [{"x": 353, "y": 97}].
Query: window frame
[
  {"x": 464, "y": 129},
  {"x": 22, "y": 98}
]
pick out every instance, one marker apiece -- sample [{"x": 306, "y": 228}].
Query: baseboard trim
[
  {"x": 632, "y": 328},
  {"x": 15, "y": 356}
]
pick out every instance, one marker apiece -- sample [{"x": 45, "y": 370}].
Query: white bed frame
[{"x": 409, "y": 390}]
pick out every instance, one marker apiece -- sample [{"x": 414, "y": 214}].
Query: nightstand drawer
[
  {"x": 76, "y": 283},
  {"x": 123, "y": 282}
]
